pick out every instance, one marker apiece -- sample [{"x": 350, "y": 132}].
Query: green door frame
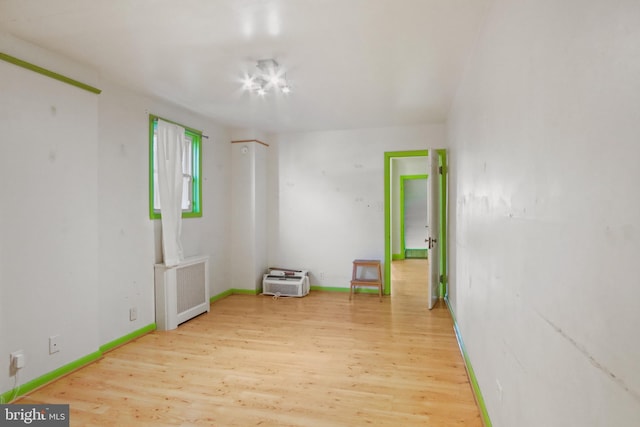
[{"x": 442, "y": 161}]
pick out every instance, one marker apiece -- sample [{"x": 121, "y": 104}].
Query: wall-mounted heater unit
[
  {"x": 182, "y": 292},
  {"x": 285, "y": 283}
]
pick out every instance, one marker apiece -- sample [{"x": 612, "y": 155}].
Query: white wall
[
  {"x": 329, "y": 209},
  {"x": 49, "y": 217},
  {"x": 76, "y": 240},
  {"x": 544, "y": 152},
  {"x": 129, "y": 240}
]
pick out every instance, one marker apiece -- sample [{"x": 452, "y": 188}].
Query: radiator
[{"x": 182, "y": 292}]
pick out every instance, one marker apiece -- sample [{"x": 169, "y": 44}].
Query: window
[{"x": 191, "y": 171}]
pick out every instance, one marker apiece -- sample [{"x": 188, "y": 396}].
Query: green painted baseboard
[
  {"x": 396, "y": 257},
  {"x": 245, "y": 292},
  {"x": 328, "y": 289},
  {"x": 335, "y": 289},
  {"x": 46, "y": 378},
  {"x": 70, "y": 367},
  {"x": 233, "y": 292},
  {"x": 470, "y": 372},
  {"x": 416, "y": 253},
  {"x": 220, "y": 296},
  {"x": 313, "y": 288},
  {"x": 129, "y": 337}
]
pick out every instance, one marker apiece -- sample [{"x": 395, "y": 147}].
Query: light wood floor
[{"x": 314, "y": 361}]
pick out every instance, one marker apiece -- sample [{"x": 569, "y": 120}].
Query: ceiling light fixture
[{"x": 268, "y": 76}]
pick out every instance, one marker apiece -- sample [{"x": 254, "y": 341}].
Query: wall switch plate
[
  {"x": 133, "y": 313},
  {"x": 54, "y": 344}
]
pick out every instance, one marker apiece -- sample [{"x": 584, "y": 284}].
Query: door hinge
[
  {"x": 443, "y": 278},
  {"x": 442, "y": 170}
]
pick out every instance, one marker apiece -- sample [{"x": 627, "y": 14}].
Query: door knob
[{"x": 431, "y": 242}]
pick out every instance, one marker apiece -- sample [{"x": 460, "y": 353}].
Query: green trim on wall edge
[
  {"x": 328, "y": 289},
  {"x": 129, "y": 337},
  {"x": 344, "y": 290},
  {"x": 70, "y": 367},
  {"x": 397, "y": 257},
  {"x": 220, "y": 296},
  {"x": 416, "y": 253},
  {"x": 48, "y": 377},
  {"x": 228, "y": 292},
  {"x": 245, "y": 292},
  {"x": 444, "y": 227},
  {"x": 470, "y": 372},
  {"x": 51, "y": 74},
  {"x": 313, "y": 288}
]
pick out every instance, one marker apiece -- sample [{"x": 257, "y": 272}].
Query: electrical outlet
[
  {"x": 133, "y": 313},
  {"x": 54, "y": 344},
  {"x": 17, "y": 360}
]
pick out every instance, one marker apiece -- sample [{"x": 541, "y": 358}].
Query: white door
[{"x": 433, "y": 228}]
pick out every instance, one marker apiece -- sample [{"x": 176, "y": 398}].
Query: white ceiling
[{"x": 351, "y": 63}]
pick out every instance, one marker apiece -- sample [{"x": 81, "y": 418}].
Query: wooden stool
[{"x": 360, "y": 281}]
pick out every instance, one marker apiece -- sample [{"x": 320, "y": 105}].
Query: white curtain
[{"x": 169, "y": 154}]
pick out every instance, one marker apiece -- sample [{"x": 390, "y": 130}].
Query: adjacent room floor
[{"x": 320, "y": 360}]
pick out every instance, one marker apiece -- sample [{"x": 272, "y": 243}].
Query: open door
[{"x": 433, "y": 228}]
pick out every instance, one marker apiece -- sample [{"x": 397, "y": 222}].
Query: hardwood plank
[{"x": 321, "y": 360}]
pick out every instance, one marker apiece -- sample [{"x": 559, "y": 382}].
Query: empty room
[{"x": 320, "y": 212}]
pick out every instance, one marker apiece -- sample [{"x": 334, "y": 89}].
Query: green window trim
[{"x": 196, "y": 142}]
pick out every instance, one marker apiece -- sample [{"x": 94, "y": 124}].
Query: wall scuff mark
[{"x": 591, "y": 359}]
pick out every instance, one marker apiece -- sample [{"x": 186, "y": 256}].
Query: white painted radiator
[{"x": 182, "y": 292}]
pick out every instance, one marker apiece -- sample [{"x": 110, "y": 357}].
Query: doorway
[
  {"x": 414, "y": 215},
  {"x": 392, "y": 212}
]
